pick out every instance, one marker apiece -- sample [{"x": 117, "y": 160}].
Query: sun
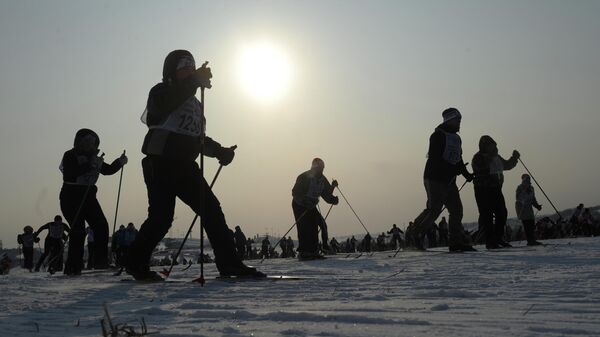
[{"x": 264, "y": 71}]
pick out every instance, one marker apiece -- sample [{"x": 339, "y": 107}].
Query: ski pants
[
  {"x": 308, "y": 221},
  {"x": 529, "y": 226},
  {"x": 166, "y": 180},
  {"x": 71, "y": 199},
  {"x": 90, "y": 261},
  {"x": 324, "y": 233},
  {"x": 440, "y": 194},
  {"x": 28, "y": 257},
  {"x": 492, "y": 213}
]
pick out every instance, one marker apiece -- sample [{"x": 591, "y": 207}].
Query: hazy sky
[{"x": 369, "y": 81}]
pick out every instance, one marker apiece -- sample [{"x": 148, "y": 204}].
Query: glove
[
  {"x": 539, "y": 207},
  {"x": 203, "y": 76},
  {"x": 516, "y": 154},
  {"x": 123, "y": 159},
  {"x": 336, "y": 200},
  {"x": 36, "y": 239},
  {"x": 334, "y": 183},
  {"x": 226, "y": 155},
  {"x": 468, "y": 176}
]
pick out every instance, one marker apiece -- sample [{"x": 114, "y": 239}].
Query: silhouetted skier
[
  {"x": 173, "y": 142},
  {"x": 525, "y": 201},
  {"x": 444, "y": 163},
  {"x": 488, "y": 166}
]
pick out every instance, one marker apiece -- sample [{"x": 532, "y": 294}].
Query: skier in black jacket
[
  {"x": 488, "y": 166},
  {"x": 81, "y": 167},
  {"x": 173, "y": 142},
  {"x": 444, "y": 163},
  {"x": 53, "y": 244},
  {"x": 309, "y": 186}
]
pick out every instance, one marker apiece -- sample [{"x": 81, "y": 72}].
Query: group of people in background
[{"x": 56, "y": 243}]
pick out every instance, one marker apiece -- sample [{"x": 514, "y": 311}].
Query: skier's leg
[
  {"x": 90, "y": 263},
  {"x": 501, "y": 214},
  {"x": 70, "y": 203},
  {"x": 301, "y": 226},
  {"x": 97, "y": 221},
  {"x": 192, "y": 188},
  {"x": 436, "y": 196},
  {"x": 486, "y": 216},
  {"x": 161, "y": 206},
  {"x": 456, "y": 235}
]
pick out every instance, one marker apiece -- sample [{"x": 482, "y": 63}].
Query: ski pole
[
  {"x": 286, "y": 233},
  {"x": 359, "y": 220},
  {"x": 118, "y": 197},
  {"x": 443, "y": 208},
  {"x": 541, "y": 189},
  {"x": 168, "y": 272}
]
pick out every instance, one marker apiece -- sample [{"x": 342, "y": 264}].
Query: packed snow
[{"x": 551, "y": 290}]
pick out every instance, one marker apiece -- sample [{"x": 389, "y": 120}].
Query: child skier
[
  {"x": 53, "y": 244},
  {"x": 27, "y": 239}
]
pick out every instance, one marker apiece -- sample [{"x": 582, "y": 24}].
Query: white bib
[
  {"x": 185, "y": 120},
  {"x": 453, "y": 150}
]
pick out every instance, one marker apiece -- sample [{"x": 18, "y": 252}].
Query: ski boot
[
  {"x": 240, "y": 270},
  {"x": 144, "y": 274}
]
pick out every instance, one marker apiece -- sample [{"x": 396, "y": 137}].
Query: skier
[
  {"x": 249, "y": 243},
  {"x": 335, "y": 245},
  {"x": 5, "y": 263},
  {"x": 173, "y": 142},
  {"x": 53, "y": 244},
  {"x": 353, "y": 244},
  {"x": 116, "y": 246},
  {"x": 381, "y": 242},
  {"x": 525, "y": 200},
  {"x": 396, "y": 238},
  {"x": 81, "y": 167},
  {"x": 309, "y": 186},
  {"x": 488, "y": 166},
  {"x": 290, "y": 245},
  {"x": 443, "y": 228},
  {"x": 265, "y": 245},
  {"x": 127, "y": 238},
  {"x": 444, "y": 163},
  {"x": 27, "y": 239},
  {"x": 240, "y": 241},
  {"x": 90, "y": 244},
  {"x": 366, "y": 243}
]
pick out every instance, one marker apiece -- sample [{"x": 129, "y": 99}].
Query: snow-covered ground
[{"x": 541, "y": 291}]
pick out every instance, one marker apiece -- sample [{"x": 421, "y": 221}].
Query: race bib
[
  {"x": 453, "y": 150},
  {"x": 185, "y": 120}
]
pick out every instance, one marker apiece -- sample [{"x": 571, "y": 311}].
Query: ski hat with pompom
[{"x": 451, "y": 113}]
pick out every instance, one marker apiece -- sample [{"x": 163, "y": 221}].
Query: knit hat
[
  {"x": 451, "y": 113},
  {"x": 176, "y": 60}
]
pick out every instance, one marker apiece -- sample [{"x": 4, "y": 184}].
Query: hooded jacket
[
  {"x": 81, "y": 168},
  {"x": 174, "y": 116},
  {"x": 488, "y": 166},
  {"x": 444, "y": 157}
]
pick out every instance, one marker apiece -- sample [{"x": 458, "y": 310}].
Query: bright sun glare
[{"x": 265, "y": 71}]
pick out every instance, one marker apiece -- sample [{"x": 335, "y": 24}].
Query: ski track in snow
[{"x": 540, "y": 291}]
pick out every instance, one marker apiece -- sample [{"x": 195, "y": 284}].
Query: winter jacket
[
  {"x": 55, "y": 229},
  {"x": 444, "y": 157},
  {"x": 488, "y": 167},
  {"x": 308, "y": 188},
  {"x": 525, "y": 202},
  {"x": 175, "y": 123}
]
